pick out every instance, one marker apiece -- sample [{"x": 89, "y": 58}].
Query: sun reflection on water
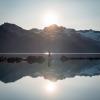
[{"x": 51, "y": 87}]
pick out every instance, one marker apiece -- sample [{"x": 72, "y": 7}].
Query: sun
[{"x": 50, "y": 18}]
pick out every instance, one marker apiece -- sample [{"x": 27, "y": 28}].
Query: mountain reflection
[{"x": 50, "y": 67}]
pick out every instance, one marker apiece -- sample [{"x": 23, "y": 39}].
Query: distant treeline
[
  {"x": 41, "y": 59},
  {"x": 65, "y": 58},
  {"x": 29, "y": 59}
]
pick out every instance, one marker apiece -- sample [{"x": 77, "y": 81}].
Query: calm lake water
[{"x": 55, "y": 78}]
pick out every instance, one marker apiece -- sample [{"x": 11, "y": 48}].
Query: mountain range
[{"x": 53, "y": 38}]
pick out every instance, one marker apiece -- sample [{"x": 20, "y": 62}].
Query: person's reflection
[{"x": 49, "y": 59}]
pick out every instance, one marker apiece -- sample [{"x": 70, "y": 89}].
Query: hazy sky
[{"x": 79, "y": 14}]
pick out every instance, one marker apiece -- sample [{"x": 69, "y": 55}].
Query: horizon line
[
  {"x": 51, "y": 25},
  {"x": 47, "y": 53}
]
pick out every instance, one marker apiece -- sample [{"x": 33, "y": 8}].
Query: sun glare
[
  {"x": 50, "y": 88},
  {"x": 50, "y": 18},
  {"x": 48, "y": 53}
]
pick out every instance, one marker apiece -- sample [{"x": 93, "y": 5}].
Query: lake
[{"x": 49, "y": 77}]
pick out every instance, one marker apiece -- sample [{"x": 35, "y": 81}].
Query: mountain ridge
[{"x": 53, "y": 38}]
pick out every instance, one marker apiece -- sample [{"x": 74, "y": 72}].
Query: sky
[{"x": 78, "y": 14}]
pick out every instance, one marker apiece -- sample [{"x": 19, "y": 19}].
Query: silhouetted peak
[
  {"x": 9, "y": 26},
  {"x": 53, "y": 28},
  {"x": 59, "y": 29},
  {"x": 35, "y": 30}
]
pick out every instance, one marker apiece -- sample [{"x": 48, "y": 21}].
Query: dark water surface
[{"x": 49, "y": 77}]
